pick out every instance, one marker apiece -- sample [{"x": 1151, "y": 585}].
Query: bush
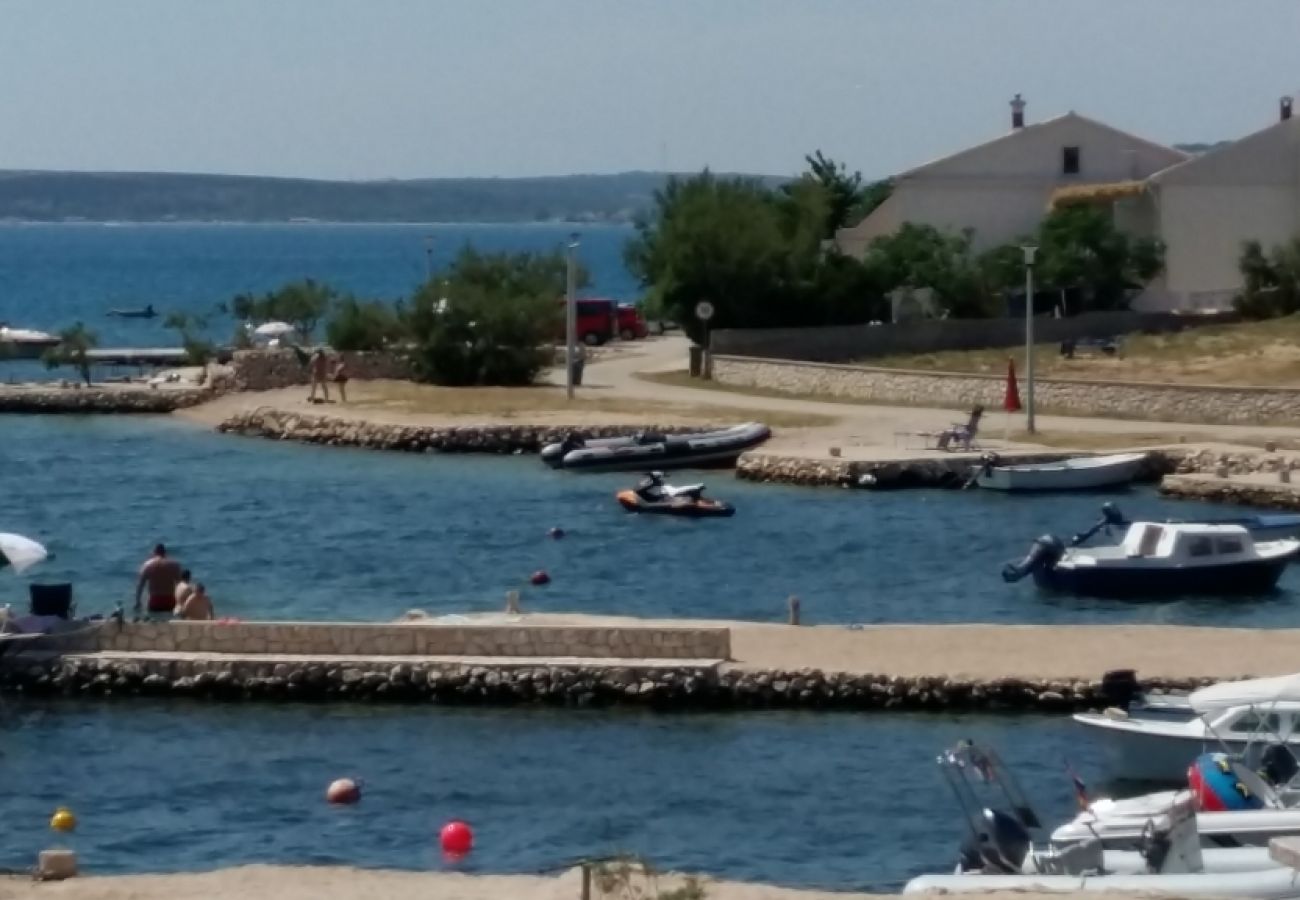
[
  {"x": 363, "y": 325},
  {"x": 1271, "y": 280},
  {"x": 490, "y": 320},
  {"x": 74, "y": 344}
]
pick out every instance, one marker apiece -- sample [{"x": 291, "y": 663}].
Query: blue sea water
[
  {"x": 52, "y": 276},
  {"x": 835, "y": 800},
  {"x": 280, "y": 530},
  {"x": 287, "y": 531}
]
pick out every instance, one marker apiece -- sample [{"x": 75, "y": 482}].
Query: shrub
[{"x": 363, "y": 325}]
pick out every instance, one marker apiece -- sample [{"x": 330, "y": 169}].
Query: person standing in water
[
  {"x": 161, "y": 574},
  {"x": 184, "y": 587}
]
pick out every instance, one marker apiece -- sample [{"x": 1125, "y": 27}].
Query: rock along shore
[
  {"x": 334, "y": 431},
  {"x": 32, "y": 400},
  {"x": 660, "y": 687}
]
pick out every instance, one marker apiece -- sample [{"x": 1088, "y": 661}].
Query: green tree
[
  {"x": 359, "y": 325},
  {"x": 1271, "y": 281},
  {"x": 73, "y": 348},
  {"x": 848, "y": 200},
  {"x": 190, "y": 328},
  {"x": 489, "y": 319},
  {"x": 921, "y": 257},
  {"x": 302, "y": 304},
  {"x": 1081, "y": 249}
]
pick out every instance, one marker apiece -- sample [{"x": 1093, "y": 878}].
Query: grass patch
[
  {"x": 1261, "y": 354},
  {"x": 407, "y": 398}
]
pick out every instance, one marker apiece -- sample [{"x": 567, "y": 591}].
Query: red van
[
  {"x": 594, "y": 321},
  {"x": 631, "y": 324}
]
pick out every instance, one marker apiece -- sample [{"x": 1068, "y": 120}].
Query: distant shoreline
[{"x": 455, "y": 223}]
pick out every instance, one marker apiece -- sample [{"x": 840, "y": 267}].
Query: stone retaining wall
[
  {"x": 577, "y": 685},
  {"x": 52, "y": 398},
  {"x": 1207, "y": 404},
  {"x": 267, "y": 422},
  {"x": 1227, "y": 490},
  {"x": 331, "y": 639}
]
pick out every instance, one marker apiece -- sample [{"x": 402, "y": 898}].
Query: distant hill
[
  {"x": 1198, "y": 149},
  {"x": 154, "y": 197}
]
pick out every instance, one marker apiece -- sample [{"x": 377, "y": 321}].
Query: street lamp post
[
  {"x": 1029, "y": 250},
  {"x": 571, "y": 313}
]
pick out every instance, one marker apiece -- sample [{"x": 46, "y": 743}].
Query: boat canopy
[{"x": 1251, "y": 692}]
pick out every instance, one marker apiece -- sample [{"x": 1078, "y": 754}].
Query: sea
[{"x": 285, "y": 531}]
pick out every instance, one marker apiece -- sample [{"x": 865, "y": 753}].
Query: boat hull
[
  {"x": 681, "y": 507},
  {"x": 702, "y": 450},
  {"x": 25, "y": 349},
  {"x": 1069, "y": 475},
  {"x": 1274, "y": 882},
  {"x": 1256, "y": 576}
]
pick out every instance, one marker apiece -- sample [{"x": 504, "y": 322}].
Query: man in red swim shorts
[{"x": 161, "y": 573}]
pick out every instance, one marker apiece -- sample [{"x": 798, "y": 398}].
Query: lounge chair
[{"x": 960, "y": 436}]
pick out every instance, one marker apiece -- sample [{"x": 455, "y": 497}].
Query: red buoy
[
  {"x": 343, "y": 792},
  {"x": 539, "y": 578},
  {"x": 456, "y": 837}
]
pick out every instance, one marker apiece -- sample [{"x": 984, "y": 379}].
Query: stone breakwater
[
  {"x": 306, "y": 428},
  {"x": 1237, "y": 491},
  {"x": 1210, "y": 404},
  {"x": 658, "y": 686},
  {"x": 33, "y": 400}
]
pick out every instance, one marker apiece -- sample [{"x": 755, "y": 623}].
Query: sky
[{"x": 366, "y": 89}]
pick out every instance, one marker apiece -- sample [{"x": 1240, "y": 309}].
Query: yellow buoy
[{"x": 63, "y": 820}]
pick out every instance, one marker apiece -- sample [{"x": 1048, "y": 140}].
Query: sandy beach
[{"x": 335, "y": 883}]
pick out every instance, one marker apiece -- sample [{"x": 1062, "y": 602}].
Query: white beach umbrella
[
  {"x": 19, "y": 552},
  {"x": 273, "y": 329}
]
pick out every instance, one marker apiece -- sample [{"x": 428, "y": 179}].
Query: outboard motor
[
  {"x": 1000, "y": 846},
  {"x": 1120, "y": 687},
  {"x": 1277, "y": 764},
  {"x": 1043, "y": 554}
]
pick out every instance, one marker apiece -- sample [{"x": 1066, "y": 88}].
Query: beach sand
[{"x": 334, "y": 883}]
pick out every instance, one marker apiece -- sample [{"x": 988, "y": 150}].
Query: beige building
[
  {"x": 1203, "y": 208},
  {"x": 1001, "y": 189},
  {"x": 1206, "y": 208}
]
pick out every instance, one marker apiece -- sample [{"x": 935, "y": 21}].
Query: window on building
[{"x": 1070, "y": 160}]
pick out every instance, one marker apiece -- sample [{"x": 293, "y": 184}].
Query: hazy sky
[{"x": 422, "y": 88}]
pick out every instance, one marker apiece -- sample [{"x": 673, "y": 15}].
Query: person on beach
[
  {"x": 319, "y": 376},
  {"x": 340, "y": 378},
  {"x": 197, "y": 606},
  {"x": 184, "y": 587},
  {"x": 161, "y": 574}
]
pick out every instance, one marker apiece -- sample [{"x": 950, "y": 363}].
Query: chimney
[
  {"x": 1017, "y": 112},
  {"x": 1284, "y": 106}
]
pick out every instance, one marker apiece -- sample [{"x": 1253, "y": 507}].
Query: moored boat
[
  {"x": 146, "y": 312},
  {"x": 1080, "y": 473},
  {"x": 1262, "y": 526},
  {"x": 25, "y": 343},
  {"x": 1159, "y": 560},
  {"x": 648, "y": 450}
]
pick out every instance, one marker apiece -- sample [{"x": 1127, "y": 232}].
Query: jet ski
[{"x": 652, "y": 495}]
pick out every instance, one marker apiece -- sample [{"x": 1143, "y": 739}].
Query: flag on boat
[
  {"x": 1080, "y": 790},
  {"x": 1011, "y": 401}
]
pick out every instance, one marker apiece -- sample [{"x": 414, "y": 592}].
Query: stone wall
[
  {"x": 265, "y": 370},
  {"x": 1208, "y": 404},
  {"x": 340, "y": 432},
  {"x": 357, "y": 639},
  {"x": 844, "y": 343},
  {"x": 663, "y": 687},
  {"x": 51, "y": 398}
]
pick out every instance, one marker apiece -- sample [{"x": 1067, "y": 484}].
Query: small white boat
[
  {"x": 24, "y": 343},
  {"x": 1080, "y": 473},
  {"x": 1160, "y": 559},
  {"x": 1239, "y": 717}
]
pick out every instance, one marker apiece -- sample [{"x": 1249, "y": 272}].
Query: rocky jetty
[
  {"x": 333, "y": 431},
  {"x": 951, "y": 471},
  {"x": 683, "y": 687},
  {"x": 56, "y": 398}
]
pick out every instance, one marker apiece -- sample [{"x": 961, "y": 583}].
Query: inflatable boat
[{"x": 648, "y": 450}]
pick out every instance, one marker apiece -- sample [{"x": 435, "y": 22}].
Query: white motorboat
[
  {"x": 24, "y": 343},
  {"x": 1079, "y": 473},
  {"x": 1160, "y": 559},
  {"x": 999, "y": 853},
  {"x": 1238, "y": 717}
]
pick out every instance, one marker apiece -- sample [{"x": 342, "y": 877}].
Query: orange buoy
[
  {"x": 63, "y": 820},
  {"x": 456, "y": 837},
  {"x": 539, "y": 578},
  {"x": 343, "y": 792}
]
